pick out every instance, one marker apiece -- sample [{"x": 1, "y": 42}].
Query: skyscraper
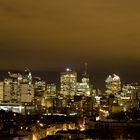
[
  {"x": 68, "y": 81},
  {"x": 12, "y": 88},
  {"x": 85, "y": 76},
  {"x": 1, "y": 91},
  {"x": 18, "y": 88},
  {"x": 113, "y": 84},
  {"x": 83, "y": 88}
]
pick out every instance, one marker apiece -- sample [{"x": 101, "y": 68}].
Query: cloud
[{"x": 60, "y": 31}]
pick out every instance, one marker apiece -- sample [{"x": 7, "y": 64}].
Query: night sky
[{"x": 49, "y": 35}]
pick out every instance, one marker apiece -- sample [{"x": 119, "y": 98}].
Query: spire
[
  {"x": 109, "y": 79},
  {"x": 85, "y": 74}
]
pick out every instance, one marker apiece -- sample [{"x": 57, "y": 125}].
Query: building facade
[{"x": 68, "y": 81}]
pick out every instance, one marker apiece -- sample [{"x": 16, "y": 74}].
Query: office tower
[
  {"x": 7, "y": 90},
  {"x": 26, "y": 87},
  {"x": 51, "y": 89},
  {"x": 135, "y": 91},
  {"x": 68, "y": 80},
  {"x": 116, "y": 83},
  {"x": 12, "y": 88},
  {"x": 40, "y": 86},
  {"x": 83, "y": 88},
  {"x": 113, "y": 84},
  {"x": 1, "y": 91},
  {"x": 108, "y": 83},
  {"x": 85, "y": 76},
  {"x": 39, "y": 91},
  {"x": 27, "y": 93},
  {"x": 127, "y": 90},
  {"x": 18, "y": 87}
]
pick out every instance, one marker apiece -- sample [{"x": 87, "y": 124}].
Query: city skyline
[
  {"x": 55, "y": 77},
  {"x": 53, "y": 35}
]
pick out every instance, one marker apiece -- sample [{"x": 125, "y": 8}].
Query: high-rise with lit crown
[
  {"x": 85, "y": 78},
  {"x": 113, "y": 84},
  {"x": 68, "y": 80},
  {"x": 83, "y": 88}
]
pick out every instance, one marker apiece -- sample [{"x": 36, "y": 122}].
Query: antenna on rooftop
[{"x": 85, "y": 68}]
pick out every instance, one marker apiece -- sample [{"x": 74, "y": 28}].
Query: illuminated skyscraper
[
  {"x": 18, "y": 88},
  {"x": 108, "y": 83},
  {"x": 83, "y": 88},
  {"x": 39, "y": 90},
  {"x": 27, "y": 93},
  {"x": 85, "y": 78},
  {"x": 7, "y": 90},
  {"x": 116, "y": 83},
  {"x": 26, "y": 87},
  {"x": 1, "y": 92},
  {"x": 51, "y": 89},
  {"x": 68, "y": 80},
  {"x": 131, "y": 90},
  {"x": 12, "y": 88},
  {"x": 113, "y": 84}
]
